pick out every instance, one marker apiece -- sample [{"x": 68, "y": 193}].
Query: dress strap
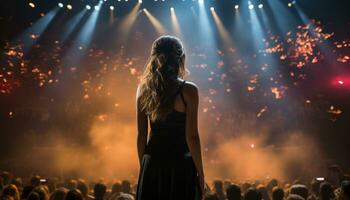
[{"x": 182, "y": 96}]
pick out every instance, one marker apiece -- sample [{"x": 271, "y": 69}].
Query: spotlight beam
[
  {"x": 221, "y": 28},
  {"x": 128, "y": 22},
  {"x": 86, "y": 33},
  {"x": 111, "y": 15},
  {"x": 30, "y": 36},
  {"x": 205, "y": 30},
  {"x": 175, "y": 23},
  {"x": 155, "y": 22},
  {"x": 69, "y": 28},
  {"x": 84, "y": 37}
]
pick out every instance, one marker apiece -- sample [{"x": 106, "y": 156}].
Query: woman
[{"x": 171, "y": 161}]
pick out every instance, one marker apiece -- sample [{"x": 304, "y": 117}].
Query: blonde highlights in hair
[{"x": 160, "y": 79}]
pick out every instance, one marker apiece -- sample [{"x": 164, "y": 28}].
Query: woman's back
[
  {"x": 168, "y": 137},
  {"x": 169, "y": 154}
]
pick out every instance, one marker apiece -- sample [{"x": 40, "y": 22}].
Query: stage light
[
  {"x": 60, "y": 5},
  {"x": 260, "y": 5},
  {"x": 144, "y": 10},
  {"x": 88, "y": 7},
  {"x": 204, "y": 23},
  {"x": 175, "y": 23},
  {"x": 111, "y": 15},
  {"x": 71, "y": 25},
  {"x": 289, "y": 4},
  {"x": 128, "y": 21},
  {"x": 224, "y": 34},
  {"x": 212, "y": 8},
  {"x": 69, "y": 7},
  {"x": 36, "y": 29},
  {"x": 84, "y": 37},
  {"x": 236, "y": 7},
  {"x": 140, "y": 1},
  {"x": 155, "y": 22},
  {"x": 251, "y": 6},
  {"x": 31, "y": 4},
  {"x": 341, "y": 82},
  {"x": 97, "y": 7}
]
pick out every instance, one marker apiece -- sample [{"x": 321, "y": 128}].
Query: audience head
[
  {"x": 125, "y": 196},
  {"x": 345, "y": 189},
  {"x": 11, "y": 190},
  {"x": 300, "y": 190},
  {"x": 295, "y": 197},
  {"x": 74, "y": 194},
  {"x": 211, "y": 196},
  {"x": 233, "y": 192},
  {"x": 18, "y": 183},
  {"x": 334, "y": 176},
  {"x": 263, "y": 192},
  {"x": 315, "y": 187},
  {"x": 272, "y": 183},
  {"x": 33, "y": 196},
  {"x": 126, "y": 187},
  {"x": 59, "y": 194},
  {"x": 35, "y": 181},
  {"x": 5, "y": 178},
  {"x": 326, "y": 191},
  {"x": 72, "y": 184},
  {"x": 252, "y": 194},
  {"x": 83, "y": 187},
  {"x": 42, "y": 191},
  {"x": 218, "y": 186},
  {"x": 245, "y": 187},
  {"x": 99, "y": 191},
  {"x": 117, "y": 188},
  {"x": 277, "y": 193}
]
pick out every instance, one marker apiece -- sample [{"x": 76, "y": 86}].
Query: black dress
[{"x": 168, "y": 171}]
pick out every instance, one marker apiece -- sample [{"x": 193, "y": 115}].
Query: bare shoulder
[
  {"x": 138, "y": 95},
  {"x": 190, "y": 89},
  {"x": 138, "y": 91}
]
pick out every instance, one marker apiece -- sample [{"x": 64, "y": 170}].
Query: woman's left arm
[{"x": 142, "y": 128}]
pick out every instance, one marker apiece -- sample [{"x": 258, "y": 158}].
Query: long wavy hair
[{"x": 160, "y": 79}]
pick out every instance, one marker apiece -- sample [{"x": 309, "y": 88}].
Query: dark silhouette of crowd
[
  {"x": 39, "y": 188},
  {"x": 335, "y": 186}
]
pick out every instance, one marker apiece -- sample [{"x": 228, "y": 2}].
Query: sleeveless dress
[{"x": 168, "y": 171}]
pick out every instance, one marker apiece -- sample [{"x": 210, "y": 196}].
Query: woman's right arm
[
  {"x": 192, "y": 135},
  {"x": 142, "y": 128}
]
